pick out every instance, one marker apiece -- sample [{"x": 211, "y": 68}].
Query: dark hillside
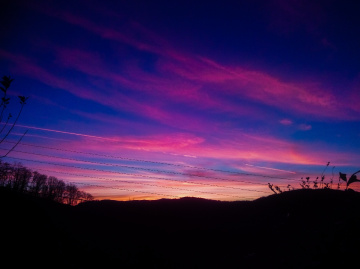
[
  {"x": 297, "y": 229},
  {"x": 30, "y": 227}
]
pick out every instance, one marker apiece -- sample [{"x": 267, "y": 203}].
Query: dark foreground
[{"x": 298, "y": 229}]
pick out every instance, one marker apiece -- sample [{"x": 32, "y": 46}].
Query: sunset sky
[{"x": 165, "y": 99}]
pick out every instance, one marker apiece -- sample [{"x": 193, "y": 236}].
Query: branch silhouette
[
  {"x": 13, "y": 125},
  {"x": 7, "y": 121},
  {"x": 6, "y": 83}
]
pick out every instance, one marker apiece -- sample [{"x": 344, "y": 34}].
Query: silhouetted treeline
[{"x": 21, "y": 179}]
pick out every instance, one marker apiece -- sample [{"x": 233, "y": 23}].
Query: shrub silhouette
[
  {"x": 316, "y": 183},
  {"x": 275, "y": 189},
  {"x": 305, "y": 184},
  {"x": 320, "y": 184},
  {"x": 289, "y": 187}
]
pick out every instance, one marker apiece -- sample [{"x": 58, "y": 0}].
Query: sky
[{"x": 166, "y": 99}]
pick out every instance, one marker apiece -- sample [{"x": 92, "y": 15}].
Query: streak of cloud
[
  {"x": 269, "y": 168},
  {"x": 69, "y": 133}
]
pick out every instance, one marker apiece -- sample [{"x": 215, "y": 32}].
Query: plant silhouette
[
  {"x": 349, "y": 181},
  {"x": 6, "y": 83},
  {"x": 305, "y": 184},
  {"x": 275, "y": 189},
  {"x": 319, "y": 183}
]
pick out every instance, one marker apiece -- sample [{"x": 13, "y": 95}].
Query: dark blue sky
[{"x": 247, "y": 86}]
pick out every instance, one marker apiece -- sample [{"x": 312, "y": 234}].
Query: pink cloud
[
  {"x": 140, "y": 182},
  {"x": 238, "y": 146},
  {"x": 258, "y": 149},
  {"x": 182, "y": 75},
  {"x": 187, "y": 87},
  {"x": 286, "y": 122},
  {"x": 120, "y": 101},
  {"x": 305, "y": 127},
  {"x": 27, "y": 66},
  {"x": 299, "y": 97},
  {"x": 192, "y": 82}
]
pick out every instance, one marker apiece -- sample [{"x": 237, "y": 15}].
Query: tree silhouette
[
  {"x": 19, "y": 178},
  {"x": 56, "y": 189},
  {"x": 38, "y": 183},
  {"x": 72, "y": 194}
]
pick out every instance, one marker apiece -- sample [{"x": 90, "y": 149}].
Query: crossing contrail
[
  {"x": 269, "y": 168},
  {"x": 70, "y": 133}
]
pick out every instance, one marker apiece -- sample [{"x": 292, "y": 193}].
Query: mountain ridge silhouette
[{"x": 296, "y": 229}]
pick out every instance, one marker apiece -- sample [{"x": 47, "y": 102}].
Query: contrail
[
  {"x": 70, "y": 133},
  {"x": 271, "y": 168},
  {"x": 41, "y": 136}
]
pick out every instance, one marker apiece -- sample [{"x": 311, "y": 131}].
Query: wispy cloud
[
  {"x": 286, "y": 122},
  {"x": 179, "y": 74},
  {"x": 239, "y": 147},
  {"x": 69, "y": 133},
  {"x": 155, "y": 101},
  {"x": 269, "y": 168},
  {"x": 305, "y": 127}
]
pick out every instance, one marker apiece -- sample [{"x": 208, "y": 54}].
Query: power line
[
  {"x": 152, "y": 170},
  {"x": 131, "y": 182},
  {"x": 123, "y": 189},
  {"x": 136, "y": 175},
  {"x": 162, "y": 163},
  {"x": 117, "y": 188},
  {"x": 136, "y": 168}
]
